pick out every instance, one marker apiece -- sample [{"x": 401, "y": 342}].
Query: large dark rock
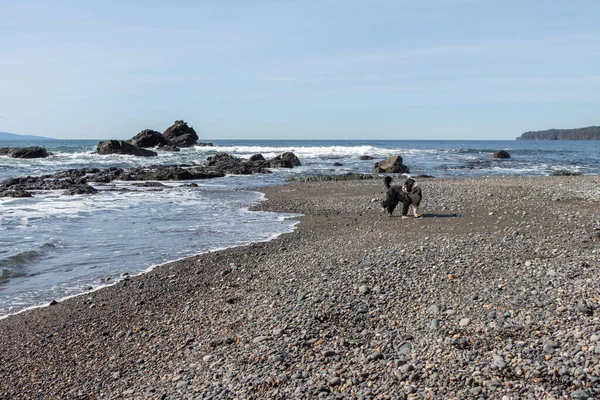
[
  {"x": 180, "y": 134},
  {"x": 149, "y": 138},
  {"x": 500, "y": 154},
  {"x": 24, "y": 152},
  {"x": 285, "y": 160},
  {"x": 122, "y": 147},
  {"x": 391, "y": 165}
]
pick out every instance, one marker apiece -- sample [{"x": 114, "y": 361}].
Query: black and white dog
[{"x": 409, "y": 194}]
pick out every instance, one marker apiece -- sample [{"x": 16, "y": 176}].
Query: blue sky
[{"x": 310, "y": 69}]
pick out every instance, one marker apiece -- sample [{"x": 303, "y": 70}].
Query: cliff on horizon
[
  {"x": 589, "y": 133},
  {"x": 16, "y": 136}
]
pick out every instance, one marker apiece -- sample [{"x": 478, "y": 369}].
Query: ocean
[{"x": 54, "y": 246}]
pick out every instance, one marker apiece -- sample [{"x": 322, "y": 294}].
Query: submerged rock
[{"x": 500, "y": 154}]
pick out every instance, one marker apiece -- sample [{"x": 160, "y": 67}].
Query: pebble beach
[{"x": 492, "y": 294}]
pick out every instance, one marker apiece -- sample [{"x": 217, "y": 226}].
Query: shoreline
[
  {"x": 151, "y": 267},
  {"x": 343, "y": 306}
]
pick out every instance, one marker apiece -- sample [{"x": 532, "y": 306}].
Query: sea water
[{"x": 54, "y": 246}]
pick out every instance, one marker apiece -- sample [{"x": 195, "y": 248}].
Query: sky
[{"x": 299, "y": 69}]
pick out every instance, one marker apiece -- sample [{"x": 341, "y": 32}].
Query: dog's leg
[{"x": 415, "y": 211}]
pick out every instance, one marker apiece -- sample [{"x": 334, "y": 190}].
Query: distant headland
[
  {"x": 589, "y": 133},
  {"x": 14, "y": 136}
]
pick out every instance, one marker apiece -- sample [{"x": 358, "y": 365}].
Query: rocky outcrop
[
  {"x": 77, "y": 181},
  {"x": 588, "y": 133},
  {"x": 181, "y": 135},
  {"x": 365, "y": 158},
  {"x": 391, "y": 165},
  {"x": 122, "y": 147},
  {"x": 149, "y": 138},
  {"x": 24, "y": 152},
  {"x": 500, "y": 154}
]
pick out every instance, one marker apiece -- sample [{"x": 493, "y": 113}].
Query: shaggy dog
[{"x": 409, "y": 194}]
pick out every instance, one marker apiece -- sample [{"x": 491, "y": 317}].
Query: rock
[
  {"x": 335, "y": 381},
  {"x": 500, "y": 154},
  {"x": 24, "y": 152},
  {"x": 337, "y": 164},
  {"x": 149, "y": 138},
  {"x": 376, "y": 355},
  {"x": 434, "y": 324},
  {"x": 285, "y": 160},
  {"x": 391, "y": 165},
  {"x": 580, "y": 394},
  {"x": 15, "y": 193},
  {"x": 434, "y": 309},
  {"x": 256, "y": 157},
  {"x": 259, "y": 339},
  {"x": 53, "y": 303},
  {"x": 180, "y": 134},
  {"x": 205, "y": 144},
  {"x": 80, "y": 189},
  {"x": 464, "y": 322},
  {"x": 563, "y": 172},
  {"x": 364, "y": 289},
  {"x": 121, "y": 147},
  {"x": 499, "y": 363},
  {"x": 365, "y": 158}
]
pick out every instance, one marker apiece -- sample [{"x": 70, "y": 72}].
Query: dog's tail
[{"x": 387, "y": 181}]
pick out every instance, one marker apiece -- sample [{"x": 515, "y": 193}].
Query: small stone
[
  {"x": 277, "y": 358},
  {"x": 434, "y": 309},
  {"x": 464, "y": 322},
  {"x": 329, "y": 353},
  {"x": 259, "y": 339},
  {"x": 499, "y": 363},
  {"x": 297, "y": 375},
  {"x": 277, "y": 332},
  {"x": 376, "y": 355},
  {"x": 405, "y": 349},
  {"x": 594, "y": 338},
  {"x": 335, "y": 381},
  {"x": 580, "y": 394},
  {"x": 208, "y": 357},
  {"x": 364, "y": 289},
  {"x": 434, "y": 324},
  {"x": 301, "y": 296}
]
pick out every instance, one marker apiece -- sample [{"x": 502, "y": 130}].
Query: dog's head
[{"x": 408, "y": 185}]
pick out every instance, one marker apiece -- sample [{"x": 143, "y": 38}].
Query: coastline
[{"x": 343, "y": 306}]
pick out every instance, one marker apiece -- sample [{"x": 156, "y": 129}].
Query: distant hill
[
  {"x": 589, "y": 133},
  {"x": 14, "y": 136}
]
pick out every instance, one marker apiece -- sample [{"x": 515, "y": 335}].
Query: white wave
[{"x": 303, "y": 151}]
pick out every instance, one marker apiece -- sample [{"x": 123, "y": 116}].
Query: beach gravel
[{"x": 493, "y": 294}]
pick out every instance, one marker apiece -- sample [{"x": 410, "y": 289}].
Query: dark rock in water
[
  {"x": 423, "y": 176},
  {"x": 149, "y": 138},
  {"x": 15, "y": 193},
  {"x": 337, "y": 164},
  {"x": 391, "y": 165},
  {"x": 53, "y": 303},
  {"x": 24, "y": 152},
  {"x": 149, "y": 184},
  {"x": 169, "y": 147},
  {"x": 122, "y": 147},
  {"x": 205, "y": 144},
  {"x": 191, "y": 185},
  {"x": 180, "y": 134},
  {"x": 563, "y": 172},
  {"x": 256, "y": 157},
  {"x": 80, "y": 189},
  {"x": 285, "y": 160},
  {"x": 500, "y": 154},
  {"x": 365, "y": 158}
]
